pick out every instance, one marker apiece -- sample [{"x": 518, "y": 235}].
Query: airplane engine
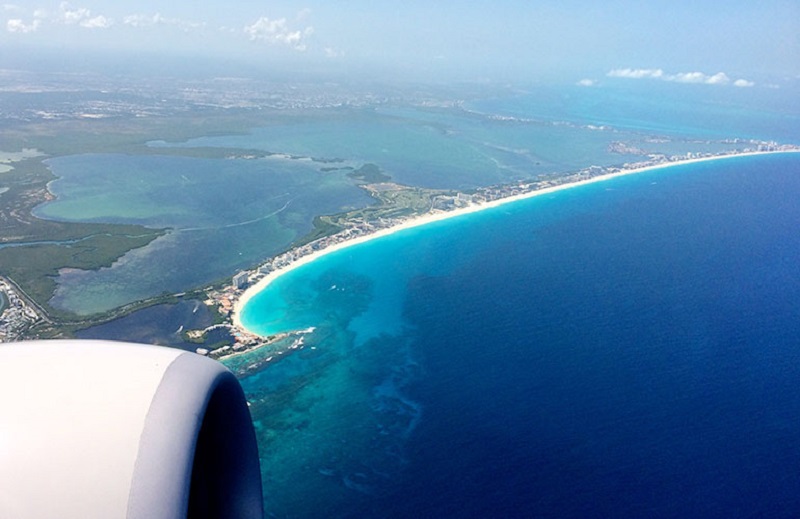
[{"x": 101, "y": 429}]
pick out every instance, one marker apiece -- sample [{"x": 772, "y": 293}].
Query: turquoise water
[
  {"x": 289, "y": 305},
  {"x": 626, "y": 349},
  {"x": 457, "y": 148},
  {"x": 226, "y": 215},
  {"x": 690, "y": 111},
  {"x": 623, "y": 349},
  {"x": 223, "y": 215}
]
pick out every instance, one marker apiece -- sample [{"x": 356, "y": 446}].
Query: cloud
[
  {"x": 98, "y": 22},
  {"x": 278, "y": 32},
  {"x": 330, "y": 52},
  {"x": 146, "y": 20},
  {"x": 71, "y": 15},
  {"x": 21, "y": 27},
  {"x": 637, "y": 73},
  {"x": 66, "y": 15},
  {"x": 586, "y": 82},
  {"x": 82, "y": 16},
  {"x": 720, "y": 78},
  {"x": 141, "y": 20}
]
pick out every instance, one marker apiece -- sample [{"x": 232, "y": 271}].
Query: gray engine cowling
[{"x": 101, "y": 429}]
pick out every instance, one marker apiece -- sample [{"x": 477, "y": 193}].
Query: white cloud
[
  {"x": 278, "y": 32},
  {"x": 637, "y": 73},
  {"x": 81, "y": 16},
  {"x": 12, "y": 8},
  {"x": 146, "y": 20},
  {"x": 18, "y": 26},
  {"x": 71, "y": 15},
  {"x": 303, "y": 14},
  {"x": 98, "y": 22},
  {"x": 587, "y": 82},
  {"x": 330, "y": 52},
  {"x": 141, "y": 20},
  {"x": 688, "y": 77},
  {"x": 720, "y": 78}
]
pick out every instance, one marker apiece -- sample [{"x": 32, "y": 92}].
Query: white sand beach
[{"x": 443, "y": 215}]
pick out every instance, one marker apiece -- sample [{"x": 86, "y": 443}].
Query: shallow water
[
  {"x": 622, "y": 349},
  {"x": 230, "y": 214}
]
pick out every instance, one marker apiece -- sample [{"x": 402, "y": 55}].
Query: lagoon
[{"x": 230, "y": 214}]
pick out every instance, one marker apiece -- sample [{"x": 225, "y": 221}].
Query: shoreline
[{"x": 429, "y": 218}]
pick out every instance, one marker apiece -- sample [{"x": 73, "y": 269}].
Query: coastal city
[
  {"x": 397, "y": 205},
  {"x": 353, "y": 228},
  {"x": 125, "y": 97},
  {"x": 17, "y": 313}
]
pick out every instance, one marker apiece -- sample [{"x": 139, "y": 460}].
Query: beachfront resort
[{"x": 390, "y": 216}]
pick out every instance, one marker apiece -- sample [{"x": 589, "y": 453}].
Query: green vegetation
[
  {"x": 322, "y": 227},
  {"x": 194, "y": 339},
  {"x": 125, "y": 135},
  {"x": 35, "y": 267},
  {"x": 35, "y": 250},
  {"x": 32, "y": 251},
  {"x": 394, "y": 201},
  {"x": 369, "y": 173},
  {"x": 216, "y": 315}
]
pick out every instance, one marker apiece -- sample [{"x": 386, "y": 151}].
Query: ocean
[{"x": 624, "y": 349}]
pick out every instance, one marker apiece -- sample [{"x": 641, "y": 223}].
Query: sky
[{"x": 734, "y": 43}]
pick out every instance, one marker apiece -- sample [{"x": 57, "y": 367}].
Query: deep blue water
[
  {"x": 625, "y": 349},
  {"x": 638, "y": 360}
]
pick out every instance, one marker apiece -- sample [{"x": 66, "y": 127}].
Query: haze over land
[{"x": 702, "y": 41}]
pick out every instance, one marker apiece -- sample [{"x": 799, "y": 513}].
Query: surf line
[{"x": 307, "y": 253}]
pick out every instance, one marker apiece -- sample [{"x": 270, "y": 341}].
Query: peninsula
[{"x": 429, "y": 206}]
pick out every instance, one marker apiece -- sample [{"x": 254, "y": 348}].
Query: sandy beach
[{"x": 443, "y": 215}]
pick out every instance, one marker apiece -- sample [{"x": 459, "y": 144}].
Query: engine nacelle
[{"x": 100, "y": 429}]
